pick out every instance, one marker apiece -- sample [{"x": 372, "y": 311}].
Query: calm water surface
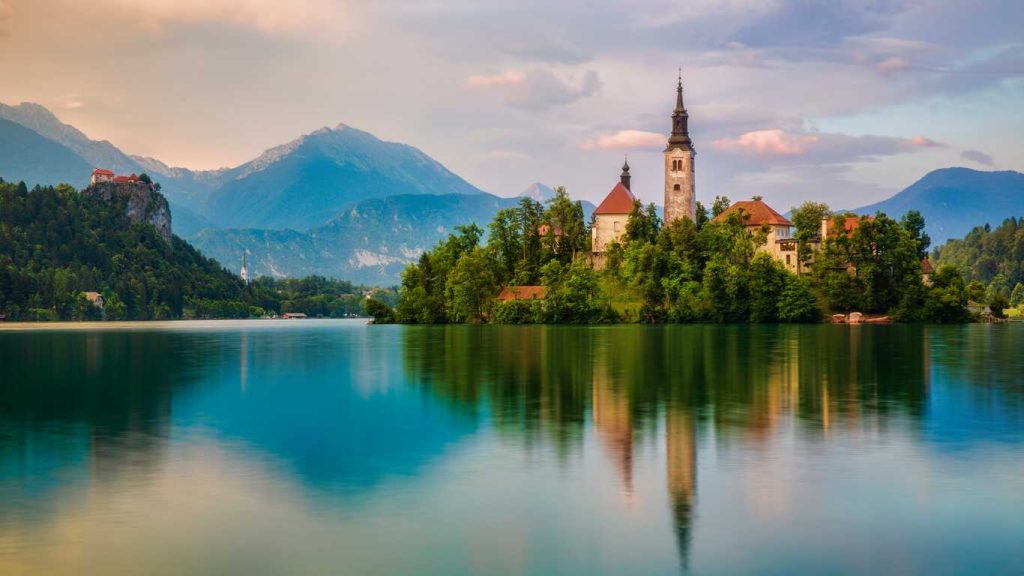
[{"x": 334, "y": 447}]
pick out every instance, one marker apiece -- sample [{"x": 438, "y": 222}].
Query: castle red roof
[
  {"x": 755, "y": 213},
  {"x": 122, "y": 179},
  {"x": 618, "y": 201},
  {"x": 850, "y": 223},
  {"x": 102, "y": 172},
  {"x": 522, "y": 293}
]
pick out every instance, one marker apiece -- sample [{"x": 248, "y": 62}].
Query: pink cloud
[
  {"x": 892, "y": 65},
  {"x": 625, "y": 140},
  {"x": 922, "y": 142},
  {"x": 504, "y": 79},
  {"x": 773, "y": 142}
]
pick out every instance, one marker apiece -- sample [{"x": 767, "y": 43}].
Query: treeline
[
  {"x": 992, "y": 261},
  {"x": 527, "y": 245},
  {"x": 56, "y": 244},
  {"x": 703, "y": 271}
]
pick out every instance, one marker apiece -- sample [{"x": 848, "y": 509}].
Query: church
[{"x": 612, "y": 214}]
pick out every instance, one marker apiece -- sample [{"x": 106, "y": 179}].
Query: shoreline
[{"x": 168, "y": 324}]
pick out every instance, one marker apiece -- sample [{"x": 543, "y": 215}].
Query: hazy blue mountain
[
  {"x": 181, "y": 186},
  {"x": 99, "y": 154},
  {"x": 308, "y": 181},
  {"x": 27, "y": 156},
  {"x": 371, "y": 242},
  {"x": 955, "y": 200}
]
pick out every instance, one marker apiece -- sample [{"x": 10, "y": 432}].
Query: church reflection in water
[{"x": 674, "y": 386}]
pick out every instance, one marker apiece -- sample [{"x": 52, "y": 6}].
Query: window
[
  {"x": 676, "y": 188},
  {"x": 788, "y": 259},
  {"x": 615, "y": 226}
]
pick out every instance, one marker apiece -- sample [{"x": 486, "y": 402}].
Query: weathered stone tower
[{"x": 680, "y": 196}]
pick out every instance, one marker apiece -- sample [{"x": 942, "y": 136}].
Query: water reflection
[{"x": 404, "y": 424}]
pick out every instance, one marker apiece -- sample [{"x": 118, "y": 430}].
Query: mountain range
[
  {"x": 955, "y": 200},
  {"x": 340, "y": 202}
]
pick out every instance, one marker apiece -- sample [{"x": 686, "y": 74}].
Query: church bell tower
[{"x": 680, "y": 196}]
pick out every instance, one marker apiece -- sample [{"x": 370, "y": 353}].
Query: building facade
[
  {"x": 612, "y": 214},
  {"x": 680, "y": 193},
  {"x": 758, "y": 216}
]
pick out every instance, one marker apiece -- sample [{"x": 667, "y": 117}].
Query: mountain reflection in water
[{"x": 538, "y": 449}]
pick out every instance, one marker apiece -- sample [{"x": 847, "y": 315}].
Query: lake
[{"x": 334, "y": 447}]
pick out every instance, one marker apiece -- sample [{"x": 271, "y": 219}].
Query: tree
[
  {"x": 379, "y": 311},
  {"x": 798, "y": 303},
  {"x": 566, "y": 233},
  {"x": 721, "y": 204},
  {"x": 505, "y": 242},
  {"x": 807, "y": 218},
  {"x": 913, "y": 223},
  {"x": 947, "y": 299},
  {"x": 470, "y": 287},
  {"x": 1017, "y": 296}
]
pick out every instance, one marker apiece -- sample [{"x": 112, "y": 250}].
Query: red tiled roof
[
  {"x": 755, "y": 213},
  {"x": 850, "y": 223},
  {"x": 102, "y": 172},
  {"x": 522, "y": 293},
  {"x": 618, "y": 201}
]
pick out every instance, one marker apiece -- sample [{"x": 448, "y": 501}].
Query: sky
[{"x": 842, "y": 101}]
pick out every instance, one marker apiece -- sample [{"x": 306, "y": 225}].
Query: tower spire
[
  {"x": 625, "y": 178},
  {"x": 680, "y": 119}
]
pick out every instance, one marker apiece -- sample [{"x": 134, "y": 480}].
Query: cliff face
[{"x": 141, "y": 204}]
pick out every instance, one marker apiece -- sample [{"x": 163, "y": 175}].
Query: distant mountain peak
[{"x": 538, "y": 191}]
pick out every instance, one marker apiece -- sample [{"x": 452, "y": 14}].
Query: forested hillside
[{"x": 56, "y": 244}]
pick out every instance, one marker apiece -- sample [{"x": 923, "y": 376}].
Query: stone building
[
  {"x": 101, "y": 175},
  {"x": 757, "y": 216},
  {"x": 612, "y": 214},
  {"x": 680, "y": 194}
]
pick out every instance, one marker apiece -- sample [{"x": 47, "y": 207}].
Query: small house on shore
[{"x": 95, "y": 298}]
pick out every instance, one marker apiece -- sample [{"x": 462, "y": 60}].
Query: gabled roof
[
  {"x": 618, "y": 201},
  {"x": 102, "y": 172},
  {"x": 522, "y": 293},
  {"x": 926, "y": 266},
  {"x": 755, "y": 213}
]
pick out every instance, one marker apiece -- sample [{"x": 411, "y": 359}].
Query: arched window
[{"x": 676, "y": 187}]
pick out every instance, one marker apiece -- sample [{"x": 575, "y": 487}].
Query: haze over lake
[{"x": 335, "y": 447}]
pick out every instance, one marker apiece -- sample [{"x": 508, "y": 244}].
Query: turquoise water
[{"x": 335, "y": 447}]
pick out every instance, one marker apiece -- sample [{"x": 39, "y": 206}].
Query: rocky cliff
[{"x": 142, "y": 203}]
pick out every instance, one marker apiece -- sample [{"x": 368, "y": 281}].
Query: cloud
[
  {"x": 503, "y": 79},
  {"x": 892, "y": 64},
  {"x": 819, "y": 147},
  {"x": 271, "y": 17},
  {"x": 5, "y": 16},
  {"x": 773, "y": 142},
  {"x": 625, "y": 140},
  {"x": 538, "y": 89},
  {"x": 978, "y": 157}
]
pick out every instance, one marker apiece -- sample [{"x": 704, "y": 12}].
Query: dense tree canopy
[{"x": 56, "y": 244}]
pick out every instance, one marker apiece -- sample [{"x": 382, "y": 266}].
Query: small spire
[
  {"x": 624, "y": 178},
  {"x": 625, "y": 165}
]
